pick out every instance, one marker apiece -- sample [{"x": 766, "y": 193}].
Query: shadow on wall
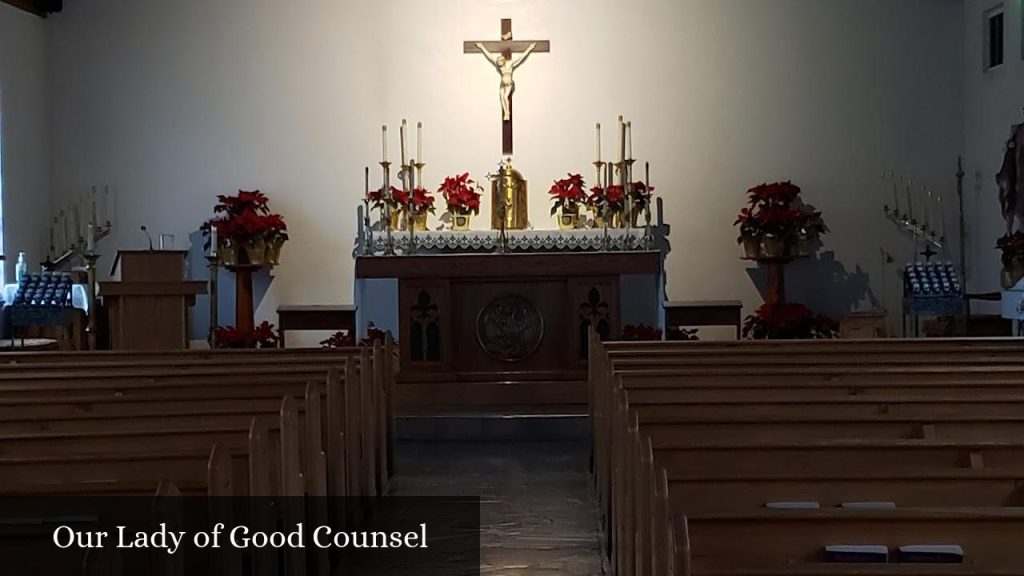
[{"x": 824, "y": 285}]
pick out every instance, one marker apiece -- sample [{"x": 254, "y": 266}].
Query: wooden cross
[{"x": 501, "y": 55}]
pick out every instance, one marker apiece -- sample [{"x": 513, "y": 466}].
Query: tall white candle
[
  {"x": 401, "y": 134},
  {"x": 419, "y": 142},
  {"x": 910, "y": 201},
  {"x": 106, "y": 205},
  {"x": 942, "y": 220},
  {"x": 622, "y": 139},
  {"x": 629, "y": 139},
  {"x": 76, "y": 224},
  {"x": 213, "y": 241},
  {"x": 598, "y": 141},
  {"x": 927, "y": 207},
  {"x": 90, "y": 238},
  {"x": 384, "y": 143},
  {"x": 93, "y": 214},
  {"x": 66, "y": 240}
]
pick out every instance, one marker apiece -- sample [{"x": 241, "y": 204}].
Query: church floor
[{"x": 537, "y": 510}]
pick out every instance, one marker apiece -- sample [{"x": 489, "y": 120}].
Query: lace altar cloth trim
[{"x": 518, "y": 240}]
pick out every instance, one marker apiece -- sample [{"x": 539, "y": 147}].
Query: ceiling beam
[{"x": 37, "y": 7}]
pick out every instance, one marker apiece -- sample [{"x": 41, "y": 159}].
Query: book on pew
[
  {"x": 868, "y": 505},
  {"x": 847, "y": 554},
  {"x": 931, "y": 554},
  {"x": 792, "y": 505}
]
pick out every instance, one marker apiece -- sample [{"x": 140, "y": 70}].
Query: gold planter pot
[
  {"x": 420, "y": 222},
  {"x": 1011, "y": 275},
  {"x": 776, "y": 246},
  {"x": 460, "y": 222},
  {"x": 752, "y": 247},
  {"x": 567, "y": 219},
  {"x": 273, "y": 257},
  {"x": 256, "y": 252}
]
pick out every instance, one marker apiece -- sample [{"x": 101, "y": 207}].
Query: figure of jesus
[{"x": 506, "y": 67}]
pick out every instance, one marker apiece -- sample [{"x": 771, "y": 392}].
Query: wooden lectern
[{"x": 148, "y": 306}]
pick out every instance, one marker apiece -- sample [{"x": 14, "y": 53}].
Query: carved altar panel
[
  {"x": 508, "y": 326},
  {"x": 595, "y": 302},
  {"x": 425, "y": 324}
]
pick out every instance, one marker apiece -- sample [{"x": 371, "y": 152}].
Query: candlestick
[
  {"x": 910, "y": 203},
  {"x": 384, "y": 143},
  {"x": 401, "y": 135},
  {"x": 622, "y": 139},
  {"x": 106, "y": 206},
  {"x": 419, "y": 140},
  {"x": 93, "y": 216},
  {"x": 598, "y": 145},
  {"x": 895, "y": 194},
  {"x": 90, "y": 238},
  {"x": 942, "y": 220},
  {"x": 76, "y": 223},
  {"x": 53, "y": 246},
  {"x": 214, "y": 240},
  {"x": 927, "y": 197},
  {"x": 629, "y": 139},
  {"x": 66, "y": 242}
]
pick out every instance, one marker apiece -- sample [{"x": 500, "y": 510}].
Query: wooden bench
[
  {"x": 644, "y": 439},
  {"x": 692, "y": 314},
  {"x": 334, "y": 318}
]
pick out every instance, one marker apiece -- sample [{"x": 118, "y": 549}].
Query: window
[{"x": 995, "y": 26}]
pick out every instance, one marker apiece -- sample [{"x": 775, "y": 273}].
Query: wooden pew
[
  {"x": 989, "y": 537},
  {"x": 691, "y": 382}
]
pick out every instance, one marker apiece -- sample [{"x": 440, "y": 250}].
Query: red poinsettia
[
  {"x": 641, "y": 332},
  {"x": 641, "y": 195},
  {"x": 246, "y": 217},
  {"x": 611, "y": 198},
  {"x": 461, "y": 195},
  {"x": 262, "y": 336},
  {"x": 788, "y": 322},
  {"x": 776, "y": 209},
  {"x": 568, "y": 193},
  {"x": 1012, "y": 246},
  {"x": 422, "y": 201}
]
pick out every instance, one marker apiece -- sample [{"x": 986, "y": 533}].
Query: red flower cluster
[
  {"x": 1012, "y": 246},
  {"x": 422, "y": 201},
  {"x": 788, "y": 322},
  {"x": 611, "y": 198},
  {"x": 460, "y": 194},
  {"x": 245, "y": 217},
  {"x": 640, "y": 195},
  {"x": 776, "y": 209},
  {"x": 568, "y": 193},
  {"x": 777, "y": 194},
  {"x": 263, "y": 336},
  {"x": 346, "y": 339},
  {"x": 641, "y": 332}
]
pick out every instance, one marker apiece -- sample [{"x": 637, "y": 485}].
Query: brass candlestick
[
  {"x": 91, "y": 258},
  {"x": 214, "y": 263},
  {"x": 385, "y": 193}
]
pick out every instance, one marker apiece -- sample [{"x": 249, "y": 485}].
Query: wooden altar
[{"x": 503, "y": 333}]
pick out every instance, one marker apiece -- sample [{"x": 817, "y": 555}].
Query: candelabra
[
  {"x": 213, "y": 260},
  {"x": 502, "y": 212},
  {"x": 648, "y": 232}
]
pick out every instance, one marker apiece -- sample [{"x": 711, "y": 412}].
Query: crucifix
[{"x": 501, "y": 55}]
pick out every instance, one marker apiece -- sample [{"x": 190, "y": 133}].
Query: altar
[{"x": 506, "y": 333}]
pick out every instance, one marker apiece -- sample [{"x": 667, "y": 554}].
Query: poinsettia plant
[
  {"x": 776, "y": 212},
  {"x": 461, "y": 194},
  {"x": 1012, "y": 247},
  {"x": 262, "y": 336},
  {"x": 421, "y": 202},
  {"x": 568, "y": 194},
  {"x": 786, "y": 321},
  {"x": 641, "y": 196},
  {"x": 346, "y": 339},
  {"x": 245, "y": 220},
  {"x": 607, "y": 200},
  {"x": 641, "y": 332}
]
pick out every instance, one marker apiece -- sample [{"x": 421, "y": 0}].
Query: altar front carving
[{"x": 503, "y": 333}]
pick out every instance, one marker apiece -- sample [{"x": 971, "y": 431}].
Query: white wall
[
  {"x": 26, "y": 168},
  {"x": 994, "y": 102},
  {"x": 172, "y": 103}
]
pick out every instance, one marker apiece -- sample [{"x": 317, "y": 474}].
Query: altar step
[{"x": 493, "y": 427}]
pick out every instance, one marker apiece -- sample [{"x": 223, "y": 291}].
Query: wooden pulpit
[{"x": 148, "y": 304}]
